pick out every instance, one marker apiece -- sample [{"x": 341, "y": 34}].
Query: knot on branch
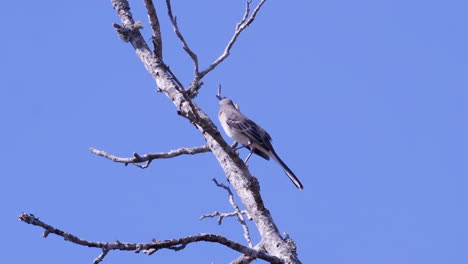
[
  {"x": 291, "y": 244},
  {"x": 125, "y": 32},
  {"x": 195, "y": 86}
]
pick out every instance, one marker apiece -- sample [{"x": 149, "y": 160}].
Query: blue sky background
[{"x": 365, "y": 100}]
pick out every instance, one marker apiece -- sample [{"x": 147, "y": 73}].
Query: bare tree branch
[
  {"x": 154, "y": 22},
  {"x": 244, "y": 259},
  {"x": 136, "y": 159},
  {"x": 182, "y": 39},
  {"x": 240, "y": 216},
  {"x": 222, "y": 215},
  {"x": 219, "y": 214},
  {"x": 243, "y": 24},
  {"x": 174, "y": 244},
  {"x": 156, "y": 38},
  {"x": 101, "y": 256},
  {"x": 246, "y": 14}
]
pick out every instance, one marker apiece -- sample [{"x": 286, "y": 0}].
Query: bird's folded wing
[
  {"x": 251, "y": 130},
  {"x": 259, "y": 152}
]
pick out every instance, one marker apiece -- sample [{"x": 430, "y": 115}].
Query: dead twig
[
  {"x": 101, "y": 256},
  {"x": 182, "y": 39},
  {"x": 238, "y": 212},
  {"x": 148, "y": 158},
  {"x": 149, "y": 248},
  {"x": 221, "y": 215},
  {"x": 243, "y": 24},
  {"x": 154, "y": 22}
]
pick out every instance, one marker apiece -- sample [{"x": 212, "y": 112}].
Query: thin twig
[
  {"x": 174, "y": 244},
  {"x": 246, "y": 14},
  {"x": 243, "y": 24},
  {"x": 101, "y": 256},
  {"x": 154, "y": 22},
  {"x": 239, "y": 28},
  {"x": 221, "y": 215},
  {"x": 136, "y": 159},
  {"x": 240, "y": 216},
  {"x": 182, "y": 39}
]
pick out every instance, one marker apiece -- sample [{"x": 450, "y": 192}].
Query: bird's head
[{"x": 226, "y": 102}]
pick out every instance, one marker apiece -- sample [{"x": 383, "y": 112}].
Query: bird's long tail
[{"x": 286, "y": 169}]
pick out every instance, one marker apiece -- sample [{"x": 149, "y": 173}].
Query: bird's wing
[
  {"x": 259, "y": 152},
  {"x": 251, "y": 130}
]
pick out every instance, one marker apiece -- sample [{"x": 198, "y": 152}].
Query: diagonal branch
[
  {"x": 154, "y": 22},
  {"x": 149, "y": 248},
  {"x": 182, "y": 39},
  {"x": 101, "y": 256},
  {"x": 246, "y": 14},
  {"x": 156, "y": 38},
  {"x": 237, "y": 210},
  {"x": 243, "y": 24},
  {"x": 136, "y": 159}
]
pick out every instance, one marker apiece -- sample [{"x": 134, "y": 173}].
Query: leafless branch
[
  {"x": 174, "y": 77},
  {"x": 174, "y": 244},
  {"x": 240, "y": 216},
  {"x": 246, "y": 14},
  {"x": 156, "y": 38},
  {"x": 154, "y": 22},
  {"x": 221, "y": 215},
  {"x": 243, "y": 24},
  {"x": 136, "y": 159},
  {"x": 182, "y": 39},
  {"x": 101, "y": 256},
  {"x": 244, "y": 259}
]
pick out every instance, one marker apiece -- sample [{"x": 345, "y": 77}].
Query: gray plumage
[{"x": 252, "y": 136}]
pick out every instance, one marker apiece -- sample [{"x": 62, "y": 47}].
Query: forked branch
[
  {"x": 237, "y": 212},
  {"x": 243, "y": 24},
  {"x": 182, "y": 39},
  {"x": 240, "y": 216}
]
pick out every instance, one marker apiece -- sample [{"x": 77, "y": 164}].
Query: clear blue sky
[{"x": 365, "y": 100}]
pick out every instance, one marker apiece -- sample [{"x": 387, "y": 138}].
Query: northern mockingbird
[{"x": 252, "y": 136}]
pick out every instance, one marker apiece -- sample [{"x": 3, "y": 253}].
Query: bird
[{"x": 252, "y": 136}]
